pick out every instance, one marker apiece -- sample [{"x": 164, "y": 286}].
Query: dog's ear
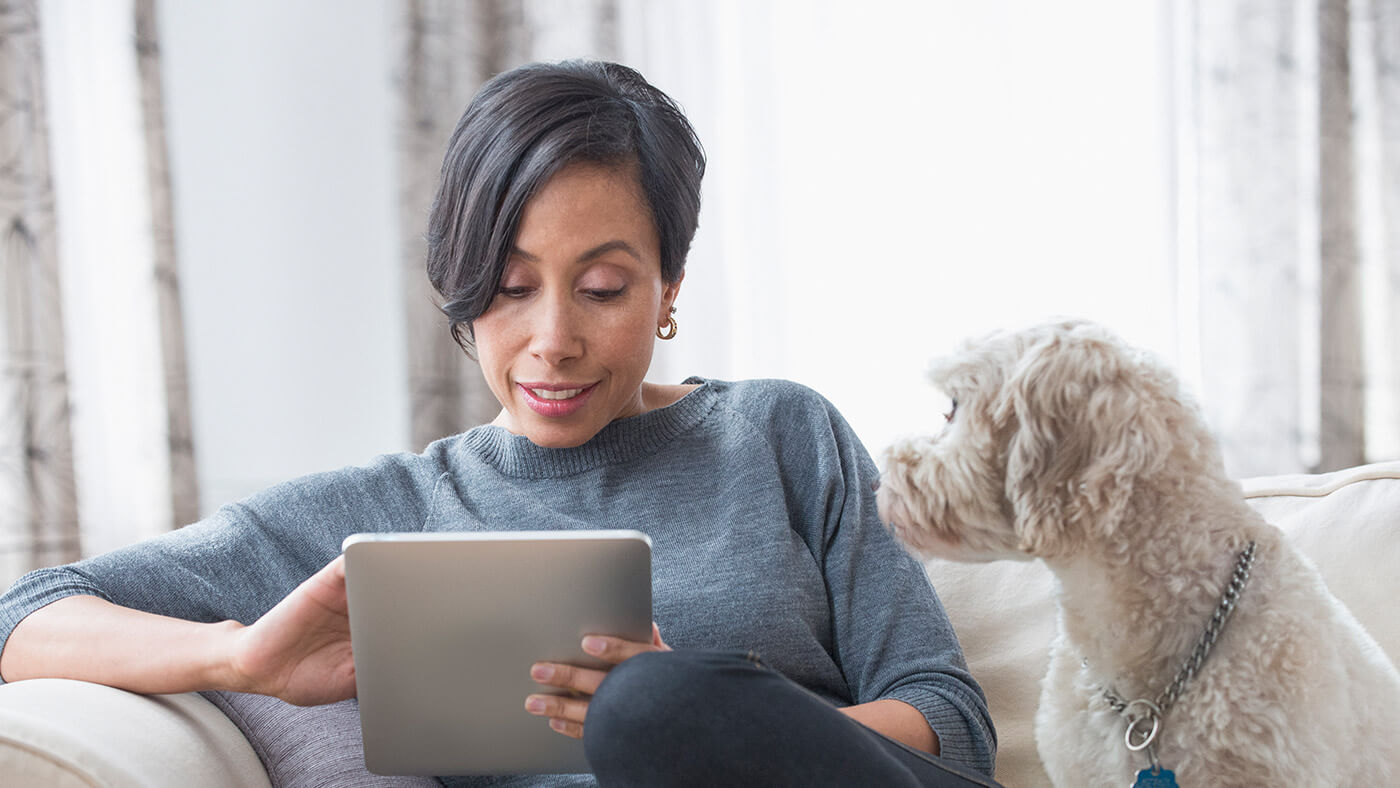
[{"x": 1086, "y": 421}]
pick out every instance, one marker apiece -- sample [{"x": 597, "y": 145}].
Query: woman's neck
[{"x": 660, "y": 395}]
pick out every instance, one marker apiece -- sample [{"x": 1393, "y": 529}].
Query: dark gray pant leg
[{"x": 705, "y": 718}]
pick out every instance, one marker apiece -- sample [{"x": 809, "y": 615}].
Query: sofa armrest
[{"x": 57, "y": 732}]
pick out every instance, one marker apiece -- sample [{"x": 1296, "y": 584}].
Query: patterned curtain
[
  {"x": 43, "y": 446},
  {"x": 1290, "y": 122},
  {"x": 448, "y": 49},
  {"x": 38, "y": 501},
  {"x": 184, "y": 479}
]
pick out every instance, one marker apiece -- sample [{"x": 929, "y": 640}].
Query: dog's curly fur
[{"x": 1068, "y": 446}]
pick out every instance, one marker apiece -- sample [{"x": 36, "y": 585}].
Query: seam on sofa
[
  {"x": 1363, "y": 475},
  {"x": 69, "y": 766}
]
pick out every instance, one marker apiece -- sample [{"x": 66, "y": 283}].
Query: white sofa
[{"x": 68, "y": 733}]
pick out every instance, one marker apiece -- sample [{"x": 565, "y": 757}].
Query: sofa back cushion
[{"x": 1347, "y": 523}]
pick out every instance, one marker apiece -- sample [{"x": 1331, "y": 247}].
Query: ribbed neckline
[{"x": 619, "y": 441}]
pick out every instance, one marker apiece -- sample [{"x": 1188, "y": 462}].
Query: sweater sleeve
[
  {"x": 891, "y": 636},
  {"x": 239, "y": 562}
]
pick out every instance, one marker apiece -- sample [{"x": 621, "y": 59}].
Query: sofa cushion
[
  {"x": 312, "y": 746},
  {"x": 1347, "y": 523},
  {"x": 1004, "y": 615},
  {"x": 308, "y": 746}
]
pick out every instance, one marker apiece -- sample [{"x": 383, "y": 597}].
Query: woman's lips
[{"x": 556, "y": 401}]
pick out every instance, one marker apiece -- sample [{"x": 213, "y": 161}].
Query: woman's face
[{"x": 567, "y": 340}]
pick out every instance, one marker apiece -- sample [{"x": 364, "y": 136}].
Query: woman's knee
[
  {"x": 648, "y": 687},
  {"x": 650, "y": 702}
]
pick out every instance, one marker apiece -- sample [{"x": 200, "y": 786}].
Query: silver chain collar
[{"x": 1154, "y": 711}]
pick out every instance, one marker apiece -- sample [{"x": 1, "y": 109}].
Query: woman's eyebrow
[
  {"x": 597, "y": 251},
  {"x": 604, "y": 248}
]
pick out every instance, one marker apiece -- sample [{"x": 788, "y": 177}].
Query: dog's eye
[{"x": 951, "y": 411}]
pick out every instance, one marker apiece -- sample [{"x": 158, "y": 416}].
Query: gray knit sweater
[{"x": 757, "y": 495}]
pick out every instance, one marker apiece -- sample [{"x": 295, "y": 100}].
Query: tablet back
[{"x": 445, "y": 627}]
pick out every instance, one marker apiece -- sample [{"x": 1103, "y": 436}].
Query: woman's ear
[{"x": 668, "y": 299}]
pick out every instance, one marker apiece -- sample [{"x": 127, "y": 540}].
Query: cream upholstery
[
  {"x": 55, "y": 732},
  {"x": 68, "y": 733}
]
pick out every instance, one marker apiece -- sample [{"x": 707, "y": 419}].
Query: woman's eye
[
  {"x": 604, "y": 295},
  {"x": 951, "y": 411},
  {"x": 513, "y": 292}
]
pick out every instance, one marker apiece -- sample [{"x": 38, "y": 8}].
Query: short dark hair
[{"x": 523, "y": 127}]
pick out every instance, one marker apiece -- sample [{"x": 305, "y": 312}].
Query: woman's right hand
[{"x": 299, "y": 651}]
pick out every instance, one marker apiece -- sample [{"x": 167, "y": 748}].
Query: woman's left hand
[{"x": 566, "y": 713}]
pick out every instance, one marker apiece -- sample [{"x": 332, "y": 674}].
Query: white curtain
[
  {"x": 38, "y": 504},
  {"x": 886, "y": 178},
  {"x": 111, "y": 277},
  {"x": 1215, "y": 180},
  {"x": 179, "y": 430},
  {"x": 96, "y": 435},
  {"x": 1291, "y": 211}
]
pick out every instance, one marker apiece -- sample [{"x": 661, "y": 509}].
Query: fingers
[
  {"x": 573, "y": 730},
  {"x": 335, "y": 569},
  {"x": 570, "y": 677},
  {"x": 615, "y": 650},
  {"x": 566, "y": 715},
  {"x": 301, "y": 647},
  {"x": 332, "y": 574},
  {"x": 327, "y": 586}
]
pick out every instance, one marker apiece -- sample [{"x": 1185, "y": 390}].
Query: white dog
[{"x": 1066, "y": 445}]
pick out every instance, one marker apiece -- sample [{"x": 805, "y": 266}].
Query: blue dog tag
[{"x": 1162, "y": 778}]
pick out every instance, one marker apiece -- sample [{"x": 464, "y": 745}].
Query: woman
[{"x": 569, "y": 197}]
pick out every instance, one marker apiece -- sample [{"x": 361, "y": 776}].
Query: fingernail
[
  {"x": 541, "y": 672},
  {"x": 557, "y": 725},
  {"x": 534, "y": 704},
  {"x": 594, "y": 645}
]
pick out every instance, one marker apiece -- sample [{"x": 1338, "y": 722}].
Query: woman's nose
[{"x": 555, "y": 333}]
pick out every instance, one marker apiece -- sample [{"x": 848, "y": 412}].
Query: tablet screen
[{"x": 445, "y": 627}]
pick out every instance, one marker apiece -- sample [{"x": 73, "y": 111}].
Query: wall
[
  {"x": 281, "y": 142},
  {"x": 885, "y": 179}
]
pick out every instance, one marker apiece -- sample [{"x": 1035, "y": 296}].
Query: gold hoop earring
[{"x": 670, "y": 327}]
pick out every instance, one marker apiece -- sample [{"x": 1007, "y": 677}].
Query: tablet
[{"x": 444, "y": 628}]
